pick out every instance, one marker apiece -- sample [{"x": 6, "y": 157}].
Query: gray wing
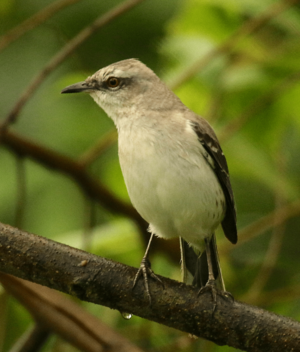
[{"x": 211, "y": 144}]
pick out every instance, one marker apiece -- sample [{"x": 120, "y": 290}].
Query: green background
[{"x": 250, "y": 93}]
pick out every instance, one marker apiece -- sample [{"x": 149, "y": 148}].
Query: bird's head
[{"x": 123, "y": 88}]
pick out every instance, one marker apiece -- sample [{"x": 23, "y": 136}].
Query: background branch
[
  {"x": 54, "y": 160},
  {"x": 227, "y": 46},
  {"x": 66, "y": 51},
  {"x": 267, "y": 222},
  {"x": 57, "y": 314},
  {"x": 32, "y": 340},
  {"x": 34, "y": 21},
  {"x": 258, "y": 105}
]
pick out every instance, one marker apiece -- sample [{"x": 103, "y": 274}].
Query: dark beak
[{"x": 78, "y": 87}]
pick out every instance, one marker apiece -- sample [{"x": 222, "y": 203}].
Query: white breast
[{"x": 169, "y": 182}]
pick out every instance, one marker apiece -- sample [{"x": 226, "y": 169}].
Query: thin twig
[
  {"x": 248, "y": 28},
  {"x": 4, "y": 309},
  {"x": 275, "y": 244},
  {"x": 281, "y": 295},
  {"x": 273, "y": 219},
  {"x": 21, "y": 191},
  {"x": 32, "y": 340},
  {"x": 49, "y": 158},
  {"x": 89, "y": 223},
  {"x": 181, "y": 343},
  {"x": 66, "y": 51},
  {"x": 258, "y": 105},
  {"x": 66, "y": 318},
  {"x": 274, "y": 247},
  {"x": 34, "y": 21},
  {"x": 106, "y": 141}
]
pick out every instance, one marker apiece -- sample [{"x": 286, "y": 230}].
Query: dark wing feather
[{"x": 212, "y": 146}]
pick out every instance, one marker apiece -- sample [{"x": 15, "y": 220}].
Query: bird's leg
[
  {"x": 211, "y": 277},
  {"x": 210, "y": 285},
  {"x": 145, "y": 270}
]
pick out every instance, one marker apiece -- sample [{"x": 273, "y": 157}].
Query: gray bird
[{"x": 173, "y": 166}]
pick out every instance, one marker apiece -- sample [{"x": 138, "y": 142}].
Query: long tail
[{"x": 195, "y": 267}]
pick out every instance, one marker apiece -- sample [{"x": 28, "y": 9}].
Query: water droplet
[{"x": 126, "y": 316}]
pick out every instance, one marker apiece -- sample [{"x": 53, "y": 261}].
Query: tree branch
[
  {"x": 258, "y": 105},
  {"x": 54, "y": 160},
  {"x": 98, "y": 280},
  {"x": 249, "y": 27},
  {"x": 35, "y": 20},
  {"x": 66, "y": 51},
  {"x": 32, "y": 340},
  {"x": 275, "y": 218},
  {"x": 53, "y": 312}
]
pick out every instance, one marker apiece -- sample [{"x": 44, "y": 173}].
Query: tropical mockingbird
[{"x": 174, "y": 169}]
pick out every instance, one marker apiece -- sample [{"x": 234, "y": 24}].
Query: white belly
[{"x": 174, "y": 189}]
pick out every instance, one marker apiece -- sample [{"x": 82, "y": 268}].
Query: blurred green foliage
[{"x": 250, "y": 93}]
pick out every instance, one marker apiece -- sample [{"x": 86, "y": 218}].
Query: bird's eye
[{"x": 113, "y": 82}]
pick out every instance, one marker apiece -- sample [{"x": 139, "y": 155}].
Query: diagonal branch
[
  {"x": 66, "y": 51},
  {"x": 93, "y": 153},
  {"x": 34, "y": 21},
  {"x": 258, "y": 105},
  {"x": 55, "y": 313},
  {"x": 98, "y": 280},
  {"x": 248, "y": 28},
  {"x": 32, "y": 340},
  {"x": 54, "y": 160},
  {"x": 265, "y": 223}
]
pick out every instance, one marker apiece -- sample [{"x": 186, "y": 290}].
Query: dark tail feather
[{"x": 195, "y": 268}]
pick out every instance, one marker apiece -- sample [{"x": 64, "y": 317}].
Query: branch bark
[{"x": 98, "y": 280}]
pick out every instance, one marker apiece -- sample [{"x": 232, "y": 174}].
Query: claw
[
  {"x": 210, "y": 286},
  {"x": 214, "y": 292},
  {"x": 227, "y": 295},
  {"x": 145, "y": 271}
]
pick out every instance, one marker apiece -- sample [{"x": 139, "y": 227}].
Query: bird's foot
[
  {"x": 211, "y": 286},
  {"x": 227, "y": 295},
  {"x": 146, "y": 271}
]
